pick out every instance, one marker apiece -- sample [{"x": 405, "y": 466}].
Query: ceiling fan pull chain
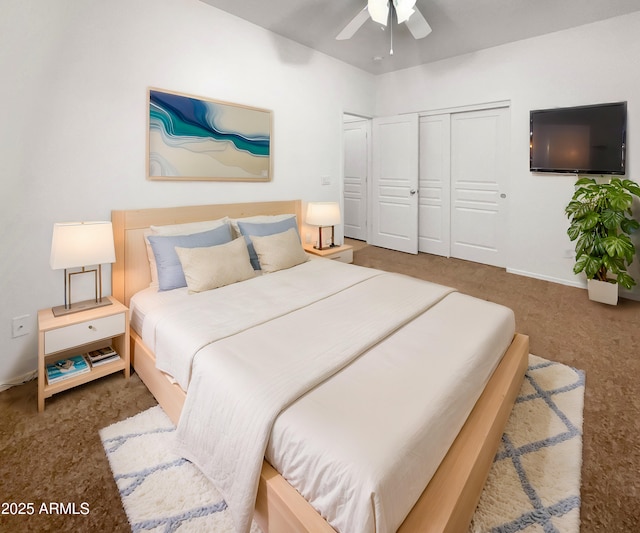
[{"x": 391, "y": 28}]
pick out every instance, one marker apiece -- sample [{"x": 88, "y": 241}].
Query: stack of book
[
  {"x": 102, "y": 356},
  {"x": 67, "y": 368}
]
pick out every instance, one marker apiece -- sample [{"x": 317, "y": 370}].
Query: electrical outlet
[
  {"x": 325, "y": 180},
  {"x": 20, "y": 326}
]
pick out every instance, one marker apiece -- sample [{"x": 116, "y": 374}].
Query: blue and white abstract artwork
[{"x": 194, "y": 138}]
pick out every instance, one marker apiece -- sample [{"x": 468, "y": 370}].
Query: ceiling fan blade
[
  {"x": 418, "y": 25},
  {"x": 353, "y": 26}
]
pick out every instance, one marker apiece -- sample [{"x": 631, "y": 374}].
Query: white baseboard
[
  {"x": 624, "y": 293},
  {"x": 630, "y": 295},
  {"x": 561, "y": 281},
  {"x": 19, "y": 380}
]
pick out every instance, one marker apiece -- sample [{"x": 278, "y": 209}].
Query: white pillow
[
  {"x": 187, "y": 228},
  {"x": 257, "y": 219},
  {"x": 215, "y": 266},
  {"x": 279, "y": 251}
]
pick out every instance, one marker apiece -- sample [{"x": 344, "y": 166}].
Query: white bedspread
[
  {"x": 241, "y": 382},
  {"x": 177, "y": 331},
  {"x": 363, "y": 445}
]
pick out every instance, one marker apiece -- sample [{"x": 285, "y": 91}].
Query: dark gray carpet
[{"x": 57, "y": 458}]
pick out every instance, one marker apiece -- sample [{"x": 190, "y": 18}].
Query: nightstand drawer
[
  {"x": 346, "y": 256},
  {"x": 343, "y": 253},
  {"x": 66, "y": 337}
]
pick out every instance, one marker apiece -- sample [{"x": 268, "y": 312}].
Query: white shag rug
[{"x": 533, "y": 485}]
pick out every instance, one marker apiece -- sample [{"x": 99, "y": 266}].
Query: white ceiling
[{"x": 459, "y": 26}]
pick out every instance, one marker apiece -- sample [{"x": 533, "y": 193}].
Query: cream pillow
[
  {"x": 211, "y": 267},
  {"x": 279, "y": 251}
]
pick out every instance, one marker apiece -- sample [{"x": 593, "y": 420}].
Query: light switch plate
[{"x": 20, "y": 326}]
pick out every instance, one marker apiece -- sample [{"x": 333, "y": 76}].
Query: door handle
[{"x": 412, "y": 192}]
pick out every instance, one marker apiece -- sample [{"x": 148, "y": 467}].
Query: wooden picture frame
[{"x": 195, "y": 138}]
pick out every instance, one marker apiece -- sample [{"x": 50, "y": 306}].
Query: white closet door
[
  {"x": 355, "y": 178},
  {"x": 479, "y": 148},
  {"x": 394, "y": 214},
  {"x": 435, "y": 184}
]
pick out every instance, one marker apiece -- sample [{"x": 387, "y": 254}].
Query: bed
[{"x": 449, "y": 499}]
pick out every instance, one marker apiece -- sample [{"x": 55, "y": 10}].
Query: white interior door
[
  {"x": 479, "y": 148},
  {"x": 394, "y": 216},
  {"x": 435, "y": 185},
  {"x": 356, "y": 169}
]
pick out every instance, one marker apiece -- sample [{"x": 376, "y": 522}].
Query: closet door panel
[{"x": 395, "y": 183}]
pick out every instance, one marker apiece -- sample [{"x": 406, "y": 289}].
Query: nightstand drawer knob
[{"x": 91, "y": 327}]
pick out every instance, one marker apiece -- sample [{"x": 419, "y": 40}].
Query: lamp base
[
  {"x": 61, "y": 310},
  {"x": 321, "y": 245}
]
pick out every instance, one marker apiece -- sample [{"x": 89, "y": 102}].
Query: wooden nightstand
[
  {"x": 78, "y": 333},
  {"x": 342, "y": 253}
]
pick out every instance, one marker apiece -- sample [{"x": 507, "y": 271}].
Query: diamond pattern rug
[{"x": 533, "y": 485}]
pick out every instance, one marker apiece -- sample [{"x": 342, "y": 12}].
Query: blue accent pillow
[
  {"x": 262, "y": 230},
  {"x": 170, "y": 274}
]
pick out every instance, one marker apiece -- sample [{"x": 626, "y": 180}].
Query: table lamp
[
  {"x": 323, "y": 214},
  {"x": 78, "y": 245}
]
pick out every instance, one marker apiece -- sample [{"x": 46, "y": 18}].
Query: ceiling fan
[{"x": 381, "y": 11}]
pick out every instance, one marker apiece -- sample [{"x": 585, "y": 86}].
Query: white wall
[
  {"x": 586, "y": 65},
  {"x": 72, "y": 137}
]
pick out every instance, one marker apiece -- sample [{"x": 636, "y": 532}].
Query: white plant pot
[{"x": 602, "y": 291}]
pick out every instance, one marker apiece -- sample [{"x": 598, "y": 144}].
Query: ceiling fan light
[
  {"x": 404, "y": 9},
  {"x": 404, "y": 4},
  {"x": 379, "y": 11},
  {"x": 403, "y": 15}
]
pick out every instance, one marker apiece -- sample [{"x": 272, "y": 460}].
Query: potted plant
[{"x": 601, "y": 221}]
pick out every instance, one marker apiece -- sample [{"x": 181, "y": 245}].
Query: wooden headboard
[{"x": 130, "y": 273}]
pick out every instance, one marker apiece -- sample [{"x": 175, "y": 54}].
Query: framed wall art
[{"x": 193, "y": 138}]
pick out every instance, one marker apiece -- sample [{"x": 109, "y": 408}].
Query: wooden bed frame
[{"x": 447, "y": 503}]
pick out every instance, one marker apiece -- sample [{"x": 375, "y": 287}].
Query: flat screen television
[{"x": 579, "y": 140}]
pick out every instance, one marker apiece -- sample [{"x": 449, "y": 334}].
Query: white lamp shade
[
  {"x": 78, "y": 244},
  {"x": 323, "y": 213}
]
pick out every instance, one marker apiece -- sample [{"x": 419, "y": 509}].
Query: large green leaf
[
  {"x": 619, "y": 245},
  {"x": 577, "y": 209},
  {"x": 598, "y": 247},
  {"x": 611, "y": 218},
  {"x": 626, "y": 280},
  {"x": 585, "y": 181},
  {"x": 629, "y": 225},
  {"x": 586, "y": 243},
  {"x": 619, "y": 199},
  {"x": 589, "y": 264},
  {"x": 574, "y": 231},
  {"x": 632, "y": 187},
  {"x": 614, "y": 264},
  {"x": 589, "y": 221}
]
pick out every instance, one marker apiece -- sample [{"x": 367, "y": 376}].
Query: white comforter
[
  {"x": 241, "y": 383},
  {"x": 176, "y": 332},
  {"x": 361, "y": 446}
]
